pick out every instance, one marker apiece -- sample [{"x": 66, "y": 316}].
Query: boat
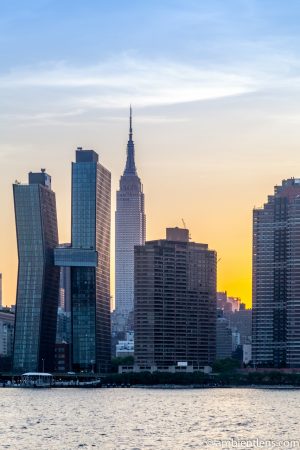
[
  {"x": 77, "y": 383},
  {"x": 36, "y": 380}
]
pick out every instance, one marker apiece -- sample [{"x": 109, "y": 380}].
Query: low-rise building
[
  {"x": 7, "y": 323},
  {"x": 126, "y": 347},
  {"x": 181, "y": 367},
  {"x": 62, "y": 357},
  {"x": 224, "y": 339},
  {"x": 247, "y": 353}
]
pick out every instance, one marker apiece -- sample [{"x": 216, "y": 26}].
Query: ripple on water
[{"x": 138, "y": 419}]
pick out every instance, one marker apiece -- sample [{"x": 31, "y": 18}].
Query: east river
[{"x": 160, "y": 419}]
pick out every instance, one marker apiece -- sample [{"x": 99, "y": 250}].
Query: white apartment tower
[{"x": 130, "y": 231}]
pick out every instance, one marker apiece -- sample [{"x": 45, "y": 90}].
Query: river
[{"x": 160, "y": 419}]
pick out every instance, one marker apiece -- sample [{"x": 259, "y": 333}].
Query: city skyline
[
  {"x": 150, "y": 263},
  {"x": 215, "y": 90}
]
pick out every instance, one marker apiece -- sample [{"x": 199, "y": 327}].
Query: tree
[
  {"x": 225, "y": 365},
  {"x": 121, "y": 361}
]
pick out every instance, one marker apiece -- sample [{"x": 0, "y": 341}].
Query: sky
[{"x": 215, "y": 90}]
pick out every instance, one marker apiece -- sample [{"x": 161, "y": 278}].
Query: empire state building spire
[
  {"x": 130, "y": 168},
  {"x": 130, "y": 231},
  {"x": 130, "y": 123}
]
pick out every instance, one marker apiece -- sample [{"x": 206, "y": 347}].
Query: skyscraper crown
[{"x": 130, "y": 168}]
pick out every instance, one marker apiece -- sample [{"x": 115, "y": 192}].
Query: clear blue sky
[{"x": 79, "y": 33}]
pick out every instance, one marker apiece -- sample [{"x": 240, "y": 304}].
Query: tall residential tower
[
  {"x": 130, "y": 231},
  {"x": 89, "y": 259},
  {"x": 38, "y": 278},
  {"x": 276, "y": 280},
  {"x": 175, "y": 303}
]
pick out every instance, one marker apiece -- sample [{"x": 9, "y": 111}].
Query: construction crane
[{"x": 184, "y": 226}]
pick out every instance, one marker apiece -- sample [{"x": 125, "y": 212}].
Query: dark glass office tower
[
  {"x": 89, "y": 259},
  {"x": 38, "y": 278}
]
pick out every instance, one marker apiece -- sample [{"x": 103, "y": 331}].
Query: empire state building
[{"x": 130, "y": 231}]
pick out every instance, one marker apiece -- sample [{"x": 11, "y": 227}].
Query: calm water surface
[{"x": 127, "y": 419}]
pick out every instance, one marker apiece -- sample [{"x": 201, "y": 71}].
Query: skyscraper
[
  {"x": 130, "y": 231},
  {"x": 175, "y": 303},
  {"x": 38, "y": 278},
  {"x": 89, "y": 259},
  {"x": 276, "y": 280}
]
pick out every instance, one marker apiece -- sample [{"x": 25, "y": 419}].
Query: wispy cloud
[
  {"x": 57, "y": 91},
  {"x": 115, "y": 83}
]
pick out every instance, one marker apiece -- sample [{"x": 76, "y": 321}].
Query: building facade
[
  {"x": 38, "y": 278},
  {"x": 62, "y": 357},
  {"x": 224, "y": 346},
  {"x": 89, "y": 260},
  {"x": 276, "y": 280},
  {"x": 7, "y": 322},
  {"x": 175, "y": 303},
  {"x": 126, "y": 347},
  {"x": 241, "y": 321},
  {"x": 130, "y": 223},
  {"x": 64, "y": 316}
]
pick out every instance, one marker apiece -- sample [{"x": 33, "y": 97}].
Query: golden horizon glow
[{"x": 215, "y": 199}]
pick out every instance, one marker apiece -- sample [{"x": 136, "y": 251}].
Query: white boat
[{"x": 36, "y": 380}]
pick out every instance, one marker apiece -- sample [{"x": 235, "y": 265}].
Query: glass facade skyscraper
[
  {"x": 89, "y": 259},
  {"x": 130, "y": 231},
  {"x": 38, "y": 278}
]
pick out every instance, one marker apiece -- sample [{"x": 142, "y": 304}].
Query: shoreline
[{"x": 160, "y": 386}]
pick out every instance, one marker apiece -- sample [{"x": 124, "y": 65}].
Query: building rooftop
[
  {"x": 40, "y": 178},
  {"x": 83, "y": 156}
]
